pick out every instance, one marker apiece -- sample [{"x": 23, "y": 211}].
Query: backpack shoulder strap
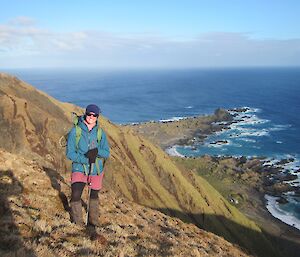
[
  {"x": 99, "y": 135},
  {"x": 77, "y": 129},
  {"x": 78, "y": 135}
]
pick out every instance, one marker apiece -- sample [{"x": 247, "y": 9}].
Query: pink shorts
[{"x": 94, "y": 181}]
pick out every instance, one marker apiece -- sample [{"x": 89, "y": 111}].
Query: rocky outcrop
[{"x": 223, "y": 115}]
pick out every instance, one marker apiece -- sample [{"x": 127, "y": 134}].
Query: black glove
[{"x": 92, "y": 155}]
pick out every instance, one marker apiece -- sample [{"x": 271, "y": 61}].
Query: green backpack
[{"x": 64, "y": 140}]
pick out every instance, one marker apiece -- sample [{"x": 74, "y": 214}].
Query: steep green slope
[{"x": 149, "y": 177}]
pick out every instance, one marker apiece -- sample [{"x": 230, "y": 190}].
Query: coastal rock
[
  {"x": 268, "y": 181},
  {"x": 297, "y": 191},
  {"x": 244, "y": 109},
  {"x": 253, "y": 164},
  {"x": 223, "y": 115},
  {"x": 285, "y": 161},
  {"x": 279, "y": 188},
  {"x": 282, "y": 200},
  {"x": 278, "y": 178},
  {"x": 219, "y": 142},
  {"x": 286, "y": 177},
  {"x": 271, "y": 169},
  {"x": 242, "y": 160}
]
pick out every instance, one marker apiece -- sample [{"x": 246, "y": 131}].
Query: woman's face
[{"x": 91, "y": 118}]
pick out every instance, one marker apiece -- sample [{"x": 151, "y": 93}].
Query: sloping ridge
[
  {"x": 35, "y": 221},
  {"x": 33, "y": 122}
]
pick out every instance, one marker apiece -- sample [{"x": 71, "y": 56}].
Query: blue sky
[{"x": 165, "y": 33}]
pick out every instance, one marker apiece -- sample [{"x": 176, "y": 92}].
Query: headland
[{"x": 250, "y": 184}]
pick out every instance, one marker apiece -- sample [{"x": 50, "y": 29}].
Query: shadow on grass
[
  {"x": 11, "y": 241},
  {"x": 55, "y": 179},
  {"x": 251, "y": 241}
]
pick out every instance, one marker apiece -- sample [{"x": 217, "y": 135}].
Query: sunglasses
[{"x": 92, "y": 114}]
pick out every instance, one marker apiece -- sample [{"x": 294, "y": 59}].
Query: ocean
[{"x": 269, "y": 128}]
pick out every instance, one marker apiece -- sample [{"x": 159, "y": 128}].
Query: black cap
[{"x": 93, "y": 108}]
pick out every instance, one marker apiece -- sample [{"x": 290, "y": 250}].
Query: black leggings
[{"x": 77, "y": 189}]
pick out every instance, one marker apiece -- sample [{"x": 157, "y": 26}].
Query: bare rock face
[{"x": 35, "y": 221}]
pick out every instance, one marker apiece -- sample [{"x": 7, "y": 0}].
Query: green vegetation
[{"x": 235, "y": 180}]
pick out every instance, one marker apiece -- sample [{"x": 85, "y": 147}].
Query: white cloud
[
  {"x": 22, "y": 21},
  {"x": 22, "y": 41}
]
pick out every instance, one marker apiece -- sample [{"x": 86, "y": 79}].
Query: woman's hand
[{"x": 92, "y": 155}]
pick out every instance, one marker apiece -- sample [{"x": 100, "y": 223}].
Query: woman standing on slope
[{"x": 87, "y": 147}]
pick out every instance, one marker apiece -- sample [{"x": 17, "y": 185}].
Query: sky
[{"x": 149, "y": 34}]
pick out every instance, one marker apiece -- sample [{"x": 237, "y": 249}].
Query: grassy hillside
[
  {"x": 32, "y": 123},
  {"x": 152, "y": 179},
  {"x": 35, "y": 221}
]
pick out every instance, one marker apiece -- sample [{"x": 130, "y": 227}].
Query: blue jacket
[{"x": 88, "y": 140}]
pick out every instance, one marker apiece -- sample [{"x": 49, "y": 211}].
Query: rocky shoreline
[
  {"x": 185, "y": 131},
  {"x": 272, "y": 177},
  {"x": 194, "y": 130},
  {"x": 242, "y": 182}
]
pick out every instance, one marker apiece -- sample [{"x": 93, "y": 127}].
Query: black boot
[
  {"x": 94, "y": 212},
  {"x": 76, "y": 211}
]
